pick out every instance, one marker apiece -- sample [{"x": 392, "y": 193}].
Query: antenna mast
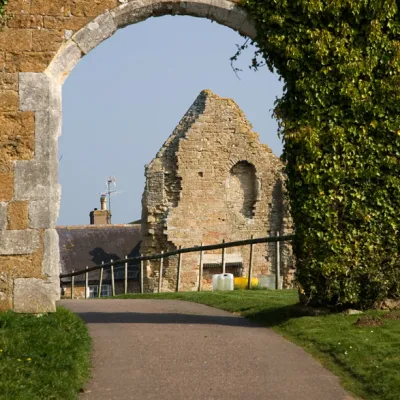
[
  {"x": 110, "y": 189},
  {"x": 111, "y": 181}
]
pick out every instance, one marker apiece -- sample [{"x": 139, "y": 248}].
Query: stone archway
[{"x": 29, "y": 252}]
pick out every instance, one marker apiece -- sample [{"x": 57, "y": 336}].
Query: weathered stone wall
[
  {"x": 211, "y": 181},
  {"x": 39, "y": 46}
]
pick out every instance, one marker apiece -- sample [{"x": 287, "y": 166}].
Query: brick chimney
[{"x": 102, "y": 216}]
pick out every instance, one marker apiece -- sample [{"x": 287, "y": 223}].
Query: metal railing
[{"x": 200, "y": 249}]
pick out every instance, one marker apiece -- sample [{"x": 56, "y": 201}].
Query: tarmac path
[{"x": 176, "y": 350}]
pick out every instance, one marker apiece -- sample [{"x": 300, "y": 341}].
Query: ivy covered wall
[{"x": 340, "y": 123}]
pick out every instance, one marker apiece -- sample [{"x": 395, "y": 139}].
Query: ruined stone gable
[{"x": 213, "y": 180}]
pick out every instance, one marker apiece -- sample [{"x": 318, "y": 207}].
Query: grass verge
[
  {"x": 367, "y": 359},
  {"x": 44, "y": 357}
]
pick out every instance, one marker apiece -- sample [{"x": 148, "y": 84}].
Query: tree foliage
[{"x": 340, "y": 123}]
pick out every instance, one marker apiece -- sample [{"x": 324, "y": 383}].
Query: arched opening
[
  {"x": 36, "y": 180},
  {"x": 242, "y": 188}
]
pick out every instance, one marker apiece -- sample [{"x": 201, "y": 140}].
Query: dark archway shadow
[
  {"x": 166, "y": 318},
  {"x": 269, "y": 317}
]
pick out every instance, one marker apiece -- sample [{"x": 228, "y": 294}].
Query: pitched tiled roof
[{"x": 89, "y": 245}]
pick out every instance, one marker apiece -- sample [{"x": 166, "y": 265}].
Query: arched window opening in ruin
[{"x": 242, "y": 188}]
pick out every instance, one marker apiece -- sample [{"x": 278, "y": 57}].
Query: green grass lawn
[
  {"x": 44, "y": 357},
  {"x": 367, "y": 359}
]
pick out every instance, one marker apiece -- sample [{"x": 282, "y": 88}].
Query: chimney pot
[{"x": 103, "y": 202}]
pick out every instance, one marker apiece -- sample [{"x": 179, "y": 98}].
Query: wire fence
[{"x": 133, "y": 268}]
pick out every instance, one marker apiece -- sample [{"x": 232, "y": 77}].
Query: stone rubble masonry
[
  {"x": 17, "y": 130},
  {"x": 17, "y": 215},
  {"x": 6, "y": 183},
  {"x": 39, "y": 46},
  {"x": 213, "y": 180}
]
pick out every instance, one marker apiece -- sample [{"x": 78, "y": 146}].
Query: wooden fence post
[
  {"x": 201, "y": 269},
  {"x": 160, "y": 273},
  {"x": 223, "y": 258},
  {"x": 112, "y": 279},
  {"x": 72, "y": 285},
  {"x": 178, "y": 278},
  {"x": 100, "y": 280},
  {"x": 141, "y": 275},
  {"x": 278, "y": 262},
  {"x": 278, "y": 281},
  {"x": 86, "y": 283},
  {"x": 250, "y": 264},
  {"x": 126, "y": 277}
]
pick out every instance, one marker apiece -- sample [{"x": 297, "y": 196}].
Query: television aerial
[{"x": 111, "y": 185}]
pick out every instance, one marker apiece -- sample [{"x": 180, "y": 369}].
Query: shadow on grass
[{"x": 274, "y": 316}]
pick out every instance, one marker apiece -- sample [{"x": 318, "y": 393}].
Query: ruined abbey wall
[{"x": 211, "y": 181}]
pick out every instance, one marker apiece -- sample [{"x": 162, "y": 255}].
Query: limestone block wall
[
  {"x": 213, "y": 180},
  {"x": 39, "y": 46}
]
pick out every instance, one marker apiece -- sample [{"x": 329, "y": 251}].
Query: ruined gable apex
[
  {"x": 207, "y": 102},
  {"x": 194, "y": 111}
]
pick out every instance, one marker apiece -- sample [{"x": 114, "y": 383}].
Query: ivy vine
[
  {"x": 3, "y": 4},
  {"x": 340, "y": 123}
]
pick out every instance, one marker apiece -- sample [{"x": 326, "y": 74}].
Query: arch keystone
[
  {"x": 132, "y": 12},
  {"x": 199, "y": 8}
]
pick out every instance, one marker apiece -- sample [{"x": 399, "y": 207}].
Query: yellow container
[{"x": 241, "y": 282}]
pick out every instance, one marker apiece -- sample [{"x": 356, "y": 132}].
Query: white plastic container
[
  {"x": 222, "y": 282},
  {"x": 215, "y": 282}
]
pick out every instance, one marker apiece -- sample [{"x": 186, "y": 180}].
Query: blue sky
[{"x": 124, "y": 99}]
